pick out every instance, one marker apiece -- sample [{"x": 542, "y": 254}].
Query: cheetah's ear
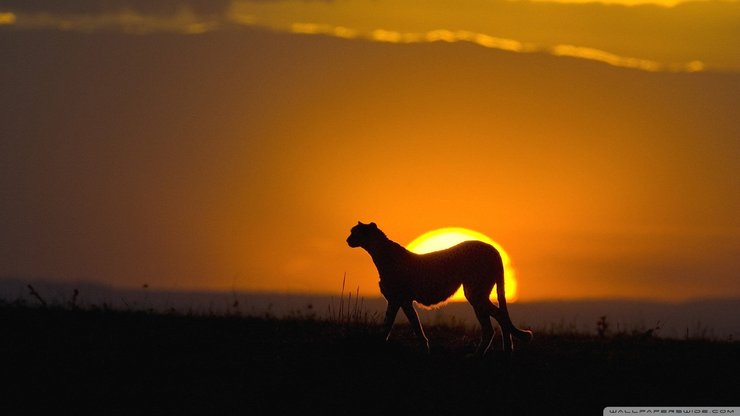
[
  {"x": 360, "y": 223},
  {"x": 372, "y": 224}
]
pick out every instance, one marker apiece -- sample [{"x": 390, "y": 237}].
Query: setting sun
[{"x": 447, "y": 237}]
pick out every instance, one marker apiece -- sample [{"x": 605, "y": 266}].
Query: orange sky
[{"x": 213, "y": 147}]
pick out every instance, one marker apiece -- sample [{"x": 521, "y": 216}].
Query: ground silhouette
[{"x": 98, "y": 361}]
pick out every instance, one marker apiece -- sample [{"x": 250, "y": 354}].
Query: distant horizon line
[{"x": 23, "y": 283}]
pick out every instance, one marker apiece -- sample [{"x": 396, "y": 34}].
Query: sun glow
[{"x": 447, "y": 237}]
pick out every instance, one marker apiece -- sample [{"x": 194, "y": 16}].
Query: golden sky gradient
[{"x": 232, "y": 144}]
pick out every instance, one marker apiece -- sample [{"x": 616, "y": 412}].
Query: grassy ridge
[{"x": 124, "y": 362}]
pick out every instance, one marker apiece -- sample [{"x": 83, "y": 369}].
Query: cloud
[
  {"x": 492, "y": 42},
  {"x": 622, "y": 61},
  {"x": 318, "y": 29},
  {"x": 392, "y": 36},
  {"x": 94, "y": 7},
  {"x": 443, "y": 35},
  {"x": 7, "y": 18},
  {"x": 606, "y": 57},
  {"x": 184, "y": 20},
  {"x": 613, "y": 35}
]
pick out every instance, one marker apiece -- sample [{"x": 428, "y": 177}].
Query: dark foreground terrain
[{"x": 61, "y": 360}]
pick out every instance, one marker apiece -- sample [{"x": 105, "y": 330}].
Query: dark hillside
[{"x": 116, "y": 362}]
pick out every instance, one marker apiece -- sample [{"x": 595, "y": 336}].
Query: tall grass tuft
[
  {"x": 36, "y": 295},
  {"x": 73, "y": 301},
  {"x": 348, "y": 312},
  {"x": 602, "y": 327}
]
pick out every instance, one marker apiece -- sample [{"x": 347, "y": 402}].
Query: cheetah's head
[{"x": 364, "y": 235}]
